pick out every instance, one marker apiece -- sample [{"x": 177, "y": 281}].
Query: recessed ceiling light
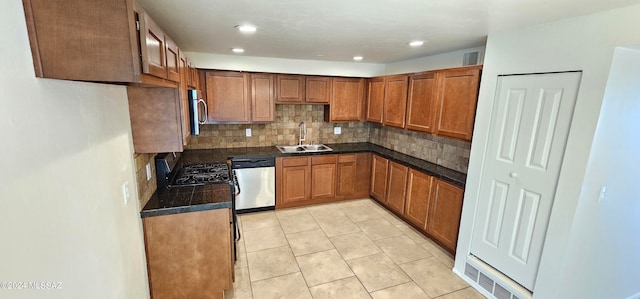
[
  {"x": 246, "y": 28},
  {"x": 357, "y": 58},
  {"x": 237, "y": 50},
  {"x": 416, "y": 43}
]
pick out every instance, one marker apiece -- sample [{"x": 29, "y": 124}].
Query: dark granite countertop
[{"x": 188, "y": 199}]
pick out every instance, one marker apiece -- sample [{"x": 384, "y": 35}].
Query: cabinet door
[
  {"x": 227, "y": 97},
  {"x": 184, "y": 98},
  {"x": 151, "y": 133},
  {"x": 290, "y": 88},
  {"x": 418, "y": 193},
  {"x": 375, "y": 100},
  {"x": 152, "y": 43},
  {"x": 456, "y": 104},
  {"x": 379, "y": 177},
  {"x": 323, "y": 181},
  {"x": 263, "y": 103},
  {"x": 444, "y": 213},
  {"x": 346, "y": 175},
  {"x": 421, "y": 102},
  {"x": 293, "y": 179},
  {"x": 395, "y": 100},
  {"x": 318, "y": 89},
  {"x": 396, "y": 187},
  {"x": 347, "y": 99},
  {"x": 173, "y": 64},
  {"x": 363, "y": 175}
]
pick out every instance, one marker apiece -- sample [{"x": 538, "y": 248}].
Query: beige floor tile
[
  {"x": 377, "y": 229},
  {"x": 389, "y": 216},
  {"x": 360, "y": 213},
  {"x": 253, "y": 221},
  {"x": 322, "y": 267},
  {"x": 309, "y": 242},
  {"x": 325, "y": 211},
  {"x": 241, "y": 286},
  {"x": 242, "y": 255},
  {"x": 377, "y": 272},
  {"x": 468, "y": 293},
  {"x": 349, "y": 203},
  {"x": 402, "y": 249},
  {"x": 356, "y": 245},
  {"x": 264, "y": 238},
  {"x": 412, "y": 233},
  {"x": 347, "y": 288},
  {"x": 271, "y": 262},
  {"x": 433, "y": 277},
  {"x": 337, "y": 225},
  {"x": 297, "y": 223},
  {"x": 290, "y": 286},
  {"x": 291, "y": 211},
  {"x": 440, "y": 253},
  {"x": 405, "y": 291}
]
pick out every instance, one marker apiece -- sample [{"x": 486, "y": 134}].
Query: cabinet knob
[{"x": 513, "y": 174}]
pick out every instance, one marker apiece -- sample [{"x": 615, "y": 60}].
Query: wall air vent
[
  {"x": 471, "y": 272},
  {"x": 501, "y": 293},
  {"x": 486, "y": 282},
  {"x": 497, "y": 285},
  {"x": 470, "y": 58}
]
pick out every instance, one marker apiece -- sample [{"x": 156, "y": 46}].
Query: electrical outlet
[
  {"x": 125, "y": 192},
  {"x": 337, "y": 130},
  {"x": 148, "y": 171},
  {"x": 248, "y": 132}
]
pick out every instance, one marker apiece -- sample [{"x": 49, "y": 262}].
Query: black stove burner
[{"x": 201, "y": 174}]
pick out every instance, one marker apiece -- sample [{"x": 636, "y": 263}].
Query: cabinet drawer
[
  {"x": 346, "y": 158},
  {"x": 327, "y": 159},
  {"x": 298, "y": 161}
]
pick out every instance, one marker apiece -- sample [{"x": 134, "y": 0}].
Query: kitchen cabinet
[
  {"x": 317, "y": 89},
  {"x": 445, "y": 208},
  {"x": 379, "y": 166},
  {"x": 353, "y": 175},
  {"x": 456, "y": 102},
  {"x": 173, "y": 57},
  {"x": 184, "y": 98},
  {"x": 228, "y": 97},
  {"x": 193, "y": 82},
  {"x": 323, "y": 176},
  {"x": 293, "y": 181},
  {"x": 290, "y": 89},
  {"x": 417, "y": 198},
  {"x": 375, "y": 100},
  {"x": 76, "y": 41},
  {"x": 346, "y": 100},
  {"x": 395, "y": 100},
  {"x": 156, "y": 122},
  {"x": 189, "y": 255},
  {"x": 396, "y": 186},
  {"x": 421, "y": 102},
  {"x": 263, "y": 103}
]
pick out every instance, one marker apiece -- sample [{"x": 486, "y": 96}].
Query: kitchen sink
[{"x": 309, "y": 148}]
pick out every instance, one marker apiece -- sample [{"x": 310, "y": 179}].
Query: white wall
[
  {"x": 279, "y": 65},
  {"x": 584, "y": 43},
  {"x": 66, "y": 150},
  {"x": 433, "y": 62}
]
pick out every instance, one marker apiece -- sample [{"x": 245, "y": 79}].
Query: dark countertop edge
[
  {"x": 441, "y": 172},
  {"x": 185, "y": 209}
]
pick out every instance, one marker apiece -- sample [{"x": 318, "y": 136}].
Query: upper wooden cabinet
[
  {"x": 194, "y": 80},
  {"x": 173, "y": 73},
  {"x": 263, "y": 103},
  {"x": 421, "y": 102},
  {"x": 456, "y": 102},
  {"x": 445, "y": 208},
  {"x": 375, "y": 100},
  {"x": 395, "y": 100},
  {"x": 290, "y": 88},
  {"x": 228, "y": 97},
  {"x": 184, "y": 98},
  {"x": 317, "y": 89},
  {"x": 98, "y": 41},
  {"x": 347, "y": 99}
]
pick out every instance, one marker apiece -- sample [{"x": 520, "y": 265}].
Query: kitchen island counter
[{"x": 188, "y": 199}]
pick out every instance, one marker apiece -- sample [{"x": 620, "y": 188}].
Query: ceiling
[{"x": 337, "y": 30}]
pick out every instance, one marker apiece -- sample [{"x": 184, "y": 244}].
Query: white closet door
[{"x": 529, "y": 130}]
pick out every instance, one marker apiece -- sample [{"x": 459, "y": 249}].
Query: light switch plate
[
  {"x": 148, "y": 171},
  {"x": 337, "y": 130},
  {"x": 248, "y": 132},
  {"x": 125, "y": 192}
]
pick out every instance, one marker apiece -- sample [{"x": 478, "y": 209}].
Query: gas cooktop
[{"x": 201, "y": 174}]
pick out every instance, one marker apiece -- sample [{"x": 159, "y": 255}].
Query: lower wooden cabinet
[
  {"x": 379, "y": 167},
  {"x": 418, "y": 195},
  {"x": 397, "y": 187},
  {"x": 445, "y": 208},
  {"x": 204, "y": 266},
  {"x": 323, "y": 178}
]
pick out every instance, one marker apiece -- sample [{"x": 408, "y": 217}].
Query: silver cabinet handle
[{"x": 206, "y": 112}]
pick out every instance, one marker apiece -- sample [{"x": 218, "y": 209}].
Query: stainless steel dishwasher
[{"x": 255, "y": 180}]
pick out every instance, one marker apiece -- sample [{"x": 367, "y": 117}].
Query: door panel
[{"x": 529, "y": 128}]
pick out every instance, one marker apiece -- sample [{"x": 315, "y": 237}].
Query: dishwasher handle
[{"x": 236, "y": 183}]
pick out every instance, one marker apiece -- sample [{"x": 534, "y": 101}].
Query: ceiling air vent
[{"x": 470, "y": 58}]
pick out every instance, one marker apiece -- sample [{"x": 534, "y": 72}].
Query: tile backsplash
[
  {"x": 450, "y": 153},
  {"x": 145, "y": 188}
]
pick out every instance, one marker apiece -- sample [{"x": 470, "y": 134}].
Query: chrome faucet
[{"x": 302, "y": 130}]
